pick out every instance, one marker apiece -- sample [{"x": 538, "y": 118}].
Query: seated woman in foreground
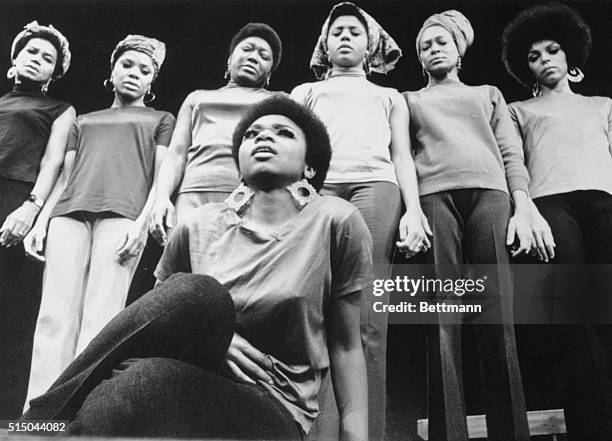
[{"x": 239, "y": 353}]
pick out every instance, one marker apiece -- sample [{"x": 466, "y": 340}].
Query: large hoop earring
[
  {"x": 108, "y": 85},
  {"x": 149, "y": 97},
  {"x": 535, "y": 89},
  {"x": 575, "y": 75},
  {"x": 11, "y": 73},
  {"x": 302, "y": 192},
  {"x": 239, "y": 197}
]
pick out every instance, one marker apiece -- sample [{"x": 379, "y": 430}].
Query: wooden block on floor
[{"x": 541, "y": 422}]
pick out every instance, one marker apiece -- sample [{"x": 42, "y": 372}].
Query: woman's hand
[
  {"x": 163, "y": 213},
  {"x": 132, "y": 242},
  {"x": 17, "y": 224},
  {"x": 246, "y": 363},
  {"x": 519, "y": 230},
  {"x": 413, "y": 231},
  {"x": 34, "y": 241},
  {"x": 544, "y": 242}
]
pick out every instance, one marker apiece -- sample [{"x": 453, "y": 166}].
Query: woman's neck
[
  {"x": 24, "y": 85},
  {"x": 122, "y": 101},
  {"x": 447, "y": 78},
  {"x": 354, "y": 71},
  {"x": 561, "y": 86},
  {"x": 233, "y": 83},
  {"x": 271, "y": 208}
]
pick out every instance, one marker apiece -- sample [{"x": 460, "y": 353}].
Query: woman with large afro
[{"x": 566, "y": 140}]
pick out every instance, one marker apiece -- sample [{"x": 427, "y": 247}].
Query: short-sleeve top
[
  {"x": 281, "y": 284},
  {"x": 567, "y": 140},
  {"x": 26, "y": 118},
  {"x": 462, "y": 137},
  {"x": 115, "y": 160},
  {"x": 357, "y": 115},
  {"x": 210, "y": 164}
]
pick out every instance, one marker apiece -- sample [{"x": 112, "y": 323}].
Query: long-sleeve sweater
[
  {"x": 463, "y": 137},
  {"x": 567, "y": 140}
]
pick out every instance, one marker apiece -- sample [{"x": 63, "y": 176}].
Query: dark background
[{"x": 197, "y": 35}]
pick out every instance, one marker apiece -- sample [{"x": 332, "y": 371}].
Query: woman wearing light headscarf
[
  {"x": 97, "y": 229},
  {"x": 371, "y": 164},
  {"x": 469, "y": 162},
  {"x": 33, "y": 132}
]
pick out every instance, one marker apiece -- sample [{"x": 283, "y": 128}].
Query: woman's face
[
  {"x": 133, "y": 74},
  {"x": 347, "y": 42},
  {"x": 273, "y": 152},
  {"x": 438, "y": 51},
  {"x": 547, "y": 62},
  {"x": 36, "y": 61},
  {"x": 250, "y": 63}
]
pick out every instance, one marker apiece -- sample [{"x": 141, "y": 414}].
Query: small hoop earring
[
  {"x": 459, "y": 63},
  {"x": 302, "y": 192},
  {"x": 535, "y": 89},
  {"x": 575, "y": 75},
  {"x": 11, "y": 73},
  {"x": 239, "y": 197},
  {"x": 108, "y": 85},
  {"x": 149, "y": 97}
]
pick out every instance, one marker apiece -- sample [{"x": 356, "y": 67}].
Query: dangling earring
[
  {"x": 149, "y": 97},
  {"x": 239, "y": 197},
  {"x": 267, "y": 83},
  {"x": 458, "y": 63},
  {"x": 11, "y": 73},
  {"x": 45, "y": 87},
  {"x": 535, "y": 89},
  {"x": 301, "y": 191},
  {"x": 575, "y": 75},
  {"x": 226, "y": 75},
  {"x": 108, "y": 85},
  {"x": 425, "y": 74}
]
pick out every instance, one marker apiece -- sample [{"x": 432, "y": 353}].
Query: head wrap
[
  {"x": 553, "y": 21},
  {"x": 264, "y": 31},
  {"x": 149, "y": 46},
  {"x": 456, "y": 24},
  {"x": 383, "y": 52},
  {"x": 49, "y": 33}
]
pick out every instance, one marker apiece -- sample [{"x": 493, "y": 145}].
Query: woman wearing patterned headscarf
[
  {"x": 567, "y": 138},
  {"x": 469, "y": 164},
  {"x": 33, "y": 132},
  {"x": 97, "y": 229},
  {"x": 199, "y": 161},
  {"x": 371, "y": 164}
]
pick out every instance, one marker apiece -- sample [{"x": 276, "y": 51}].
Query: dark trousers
[
  {"x": 154, "y": 370},
  {"x": 20, "y": 287},
  {"x": 380, "y": 205},
  {"x": 469, "y": 226},
  {"x": 581, "y": 223}
]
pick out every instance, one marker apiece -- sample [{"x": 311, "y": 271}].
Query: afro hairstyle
[
  {"x": 552, "y": 21},
  {"x": 318, "y": 146}
]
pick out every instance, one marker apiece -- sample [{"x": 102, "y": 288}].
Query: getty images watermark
[{"x": 494, "y": 294}]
